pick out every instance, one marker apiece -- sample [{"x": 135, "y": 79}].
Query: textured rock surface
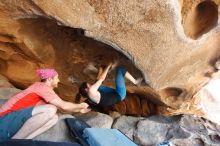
[
  {"x": 168, "y": 42},
  {"x": 204, "y": 130},
  {"x": 4, "y": 82},
  {"x": 58, "y": 133},
  {"x": 6, "y": 93},
  {"x": 199, "y": 17},
  {"x": 186, "y": 130},
  {"x": 127, "y": 125},
  {"x": 96, "y": 119},
  {"x": 173, "y": 44},
  {"x": 154, "y": 130},
  {"x": 150, "y": 32}
]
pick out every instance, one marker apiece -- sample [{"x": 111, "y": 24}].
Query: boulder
[
  {"x": 188, "y": 142},
  {"x": 201, "y": 129},
  {"x": 156, "y": 129},
  {"x": 6, "y": 93},
  {"x": 96, "y": 119},
  {"x": 127, "y": 125},
  {"x": 58, "y": 133},
  {"x": 4, "y": 82}
]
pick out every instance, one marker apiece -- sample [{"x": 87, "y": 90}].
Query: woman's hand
[
  {"x": 85, "y": 110},
  {"x": 84, "y": 107},
  {"x": 109, "y": 65}
]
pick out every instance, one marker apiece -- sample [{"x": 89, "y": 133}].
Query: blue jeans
[
  {"x": 12, "y": 122},
  {"x": 120, "y": 87}
]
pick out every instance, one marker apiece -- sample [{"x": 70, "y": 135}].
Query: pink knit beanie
[{"x": 46, "y": 73}]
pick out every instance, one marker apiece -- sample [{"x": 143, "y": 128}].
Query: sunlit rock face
[
  {"x": 172, "y": 44},
  {"x": 199, "y": 17}
]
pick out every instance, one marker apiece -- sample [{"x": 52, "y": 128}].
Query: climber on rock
[
  {"x": 103, "y": 95},
  {"x": 34, "y": 110}
]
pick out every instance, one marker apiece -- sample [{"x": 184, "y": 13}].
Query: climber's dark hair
[
  {"x": 77, "y": 99},
  {"x": 82, "y": 90}
]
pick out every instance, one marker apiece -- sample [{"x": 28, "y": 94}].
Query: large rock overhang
[{"x": 153, "y": 35}]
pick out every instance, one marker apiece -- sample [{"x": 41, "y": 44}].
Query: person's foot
[{"x": 138, "y": 82}]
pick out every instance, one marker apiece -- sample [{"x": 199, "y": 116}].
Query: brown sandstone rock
[
  {"x": 133, "y": 104},
  {"x": 120, "y": 107},
  {"x": 199, "y": 17},
  {"x": 4, "y": 82},
  {"x": 147, "y": 108}
]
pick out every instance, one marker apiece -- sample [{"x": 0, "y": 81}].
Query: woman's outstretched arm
[
  {"x": 101, "y": 77},
  {"x": 104, "y": 73}
]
